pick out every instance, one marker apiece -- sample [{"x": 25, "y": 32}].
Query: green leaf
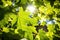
[
  {"x": 23, "y": 1},
  {"x": 13, "y": 18},
  {"x": 5, "y": 29},
  {"x": 51, "y": 27},
  {"x": 42, "y": 35}
]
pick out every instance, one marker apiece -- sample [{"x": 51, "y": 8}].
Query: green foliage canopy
[{"x": 17, "y": 22}]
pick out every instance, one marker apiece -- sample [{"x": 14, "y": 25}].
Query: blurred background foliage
[{"x": 29, "y": 19}]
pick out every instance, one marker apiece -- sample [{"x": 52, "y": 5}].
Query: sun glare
[{"x": 31, "y": 8}]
